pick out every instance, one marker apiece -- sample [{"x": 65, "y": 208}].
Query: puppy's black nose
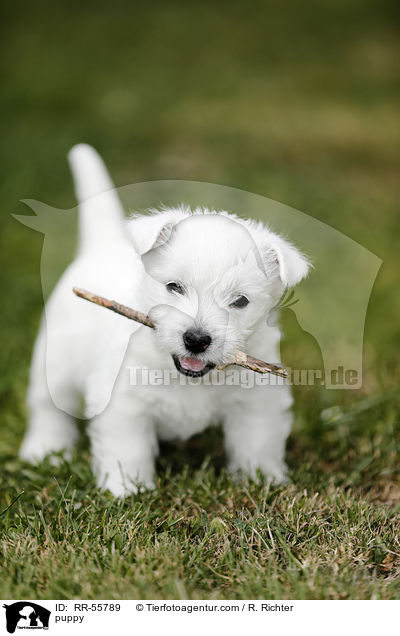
[{"x": 196, "y": 341}]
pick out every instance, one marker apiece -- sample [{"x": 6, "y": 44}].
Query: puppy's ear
[
  {"x": 280, "y": 258},
  {"x": 153, "y": 230},
  {"x": 155, "y": 237},
  {"x": 280, "y": 255}
]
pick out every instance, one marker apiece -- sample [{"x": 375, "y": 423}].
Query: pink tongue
[{"x": 192, "y": 364}]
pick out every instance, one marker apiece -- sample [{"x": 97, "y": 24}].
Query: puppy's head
[{"x": 216, "y": 279}]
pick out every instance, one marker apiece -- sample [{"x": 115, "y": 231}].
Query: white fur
[{"x": 82, "y": 351}]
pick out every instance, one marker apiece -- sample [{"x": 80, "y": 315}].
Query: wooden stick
[
  {"x": 241, "y": 359},
  {"x": 114, "y": 306}
]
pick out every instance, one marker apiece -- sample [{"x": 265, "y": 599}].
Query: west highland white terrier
[{"x": 209, "y": 280}]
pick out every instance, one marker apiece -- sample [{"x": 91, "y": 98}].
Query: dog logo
[
  {"x": 330, "y": 306},
  {"x": 26, "y": 615}
]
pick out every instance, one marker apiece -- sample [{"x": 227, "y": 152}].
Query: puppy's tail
[{"x": 101, "y": 216}]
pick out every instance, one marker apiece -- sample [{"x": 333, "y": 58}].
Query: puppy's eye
[
  {"x": 175, "y": 288},
  {"x": 241, "y": 301}
]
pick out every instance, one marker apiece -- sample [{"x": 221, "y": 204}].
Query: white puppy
[{"x": 209, "y": 280}]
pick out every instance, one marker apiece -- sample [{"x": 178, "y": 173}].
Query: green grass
[
  {"x": 333, "y": 534},
  {"x": 300, "y": 104}
]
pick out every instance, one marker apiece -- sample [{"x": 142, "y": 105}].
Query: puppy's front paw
[
  {"x": 122, "y": 483},
  {"x": 273, "y": 473},
  {"x": 34, "y": 449}
]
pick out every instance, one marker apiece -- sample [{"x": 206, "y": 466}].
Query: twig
[
  {"x": 114, "y": 306},
  {"x": 248, "y": 362},
  {"x": 241, "y": 359}
]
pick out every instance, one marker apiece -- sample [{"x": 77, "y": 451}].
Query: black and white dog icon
[{"x": 26, "y": 615}]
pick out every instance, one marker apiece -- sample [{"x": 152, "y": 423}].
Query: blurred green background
[{"x": 296, "y": 101}]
